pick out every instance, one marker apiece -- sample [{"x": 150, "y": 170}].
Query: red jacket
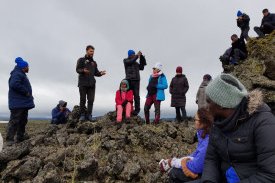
[{"x": 129, "y": 97}]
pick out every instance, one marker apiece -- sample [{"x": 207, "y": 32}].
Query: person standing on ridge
[
  {"x": 20, "y": 101},
  {"x": 178, "y": 89},
  {"x": 132, "y": 69},
  {"x": 243, "y": 23},
  {"x": 87, "y": 70}
]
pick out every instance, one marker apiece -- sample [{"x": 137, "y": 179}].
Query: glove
[
  {"x": 164, "y": 165},
  {"x": 124, "y": 103}
]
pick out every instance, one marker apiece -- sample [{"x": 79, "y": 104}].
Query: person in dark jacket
[
  {"x": 178, "y": 89},
  {"x": 60, "y": 113},
  {"x": 236, "y": 53},
  {"x": 267, "y": 25},
  {"x": 20, "y": 101},
  {"x": 241, "y": 146},
  {"x": 243, "y": 23},
  {"x": 156, "y": 86},
  {"x": 201, "y": 96},
  {"x": 132, "y": 69},
  {"x": 87, "y": 70},
  {"x": 190, "y": 167}
]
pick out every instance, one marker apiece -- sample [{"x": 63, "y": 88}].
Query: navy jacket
[
  {"x": 20, "y": 90},
  {"x": 59, "y": 116}
]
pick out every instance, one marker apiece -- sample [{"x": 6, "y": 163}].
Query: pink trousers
[{"x": 128, "y": 110}]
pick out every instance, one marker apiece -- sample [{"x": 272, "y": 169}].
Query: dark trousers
[
  {"x": 17, "y": 124},
  {"x": 238, "y": 55},
  {"x": 89, "y": 94},
  {"x": 180, "y": 113},
  {"x": 149, "y": 102},
  {"x": 176, "y": 175},
  {"x": 61, "y": 120},
  {"x": 244, "y": 33},
  {"x": 267, "y": 28},
  {"x": 135, "y": 85}
]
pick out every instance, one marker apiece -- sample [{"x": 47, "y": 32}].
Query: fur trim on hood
[{"x": 255, "y": 100}]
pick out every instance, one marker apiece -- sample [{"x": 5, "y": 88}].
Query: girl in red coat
[{"x": 124, "y": 100}]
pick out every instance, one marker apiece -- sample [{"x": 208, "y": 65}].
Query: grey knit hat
[{"x": 226, "y": 91}]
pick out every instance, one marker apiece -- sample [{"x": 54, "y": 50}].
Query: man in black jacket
[
  {"x": 243, "y": 23},
  {"x": 241, "y": 144},
  {"x": 87, "y": 69},
  {"x": 267, "y": 25},
  {"x": 132, "y": 69}
]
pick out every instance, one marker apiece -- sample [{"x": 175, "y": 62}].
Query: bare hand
[
  {"x": 103, "y": 73},
  {"x": 86, "y": 71},
  {"x": 139, "y": 53}
]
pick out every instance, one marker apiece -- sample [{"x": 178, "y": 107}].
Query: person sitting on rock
[
  {"x": 243, "y": 23},
  {"x": 190, "y": 167},
  {"x": 60, "y": 113},
  {"x": 241, "y": 146},
  {"x": 124, "y": 101},
  {"x": 267, "y": 25},
  {"x": 156, "y": 86},
  {"x": 236, "y": 53},
  {"x": 178, "y": 88}
]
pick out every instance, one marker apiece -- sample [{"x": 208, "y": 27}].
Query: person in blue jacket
[
  {"x": 20, "y": 101},
  {"x": 157, "y": 85},
  {"x": 190, "y": 167},
  {"x": 60, "y": 113}
]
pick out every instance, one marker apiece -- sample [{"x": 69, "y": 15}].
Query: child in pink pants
[{"x": 124, "y": 101}]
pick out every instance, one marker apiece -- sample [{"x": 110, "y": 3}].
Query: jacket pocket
[{"x": 240, "y": 139}]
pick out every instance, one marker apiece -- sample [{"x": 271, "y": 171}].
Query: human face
[
  {"x": 155, "y": 71},
  {"x": 234, "y": 39},
  {"x": 265, "y": 14},
  {"x": 123, "y": 85},
  {"x": 90, "y": 52},
  {"x": 26, "y": 69}
]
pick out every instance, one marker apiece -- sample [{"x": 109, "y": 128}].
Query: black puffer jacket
[
  {"x": 178, "y": 88},
  {"x": 244, "y": 22},
  {"x": 87, "y": 79},
  {"x": 132, "y": 67},
  {"x": 239, "y": 44},
  {"x": 244, "y": 141},
  {"x": 270, "y": 18}
]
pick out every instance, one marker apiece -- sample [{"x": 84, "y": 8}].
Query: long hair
[{"x": 206, "y": 119}]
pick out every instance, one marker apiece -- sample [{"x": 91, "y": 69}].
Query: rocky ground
[
  {"x": 258, "y": 71},
  {"x": 96, "y": 152}
]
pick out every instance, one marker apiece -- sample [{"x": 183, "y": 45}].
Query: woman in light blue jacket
[{"x": 156, "y": 86}]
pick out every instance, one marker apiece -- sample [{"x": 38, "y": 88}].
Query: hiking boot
[
  {"x": 135, "y": 113},
  {"x": 90, "y": 118},
  {"x": 82, "y": 118},
  {"x": 118, "y": 125}
]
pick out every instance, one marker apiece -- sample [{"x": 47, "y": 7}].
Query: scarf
[{"x": 155, "y": 75}]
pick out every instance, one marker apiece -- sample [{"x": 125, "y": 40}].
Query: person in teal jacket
[{"x": 156, "y": 86}]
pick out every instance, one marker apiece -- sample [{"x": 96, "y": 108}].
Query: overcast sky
[{"x": 51, "y": 35}]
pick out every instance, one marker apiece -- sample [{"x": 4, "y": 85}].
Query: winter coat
[
  {"x": 178, "y": 88},
  {"x": 87, "y": 80},
  {"x": 270, "y": 18},
  {"x": 161, "y": 86},
  {"x": 196, "y": 165},
  {"x": 239, "y": 44},
  {"x": 244, "y": 141},
  {"x": 244, "y": 22},
  {"x": 20, "y": 90},
  {"x": 59, "y": 115},
  {"x": 129, "y": 97},
  {"x": 132, "y": 67},
  {"x": 201, "y": 96}
]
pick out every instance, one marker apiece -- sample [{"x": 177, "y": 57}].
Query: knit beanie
[
  {"x": 62, "y": 103},
  {"x": 131, "y": 52},
  {"x": 226, "y": 91},
  {"x": 21, "y": 63},
  {"x": 158, "y": 66},
  {"x": 179, "y": 70},
  {"x": 239, "y": 13}
]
